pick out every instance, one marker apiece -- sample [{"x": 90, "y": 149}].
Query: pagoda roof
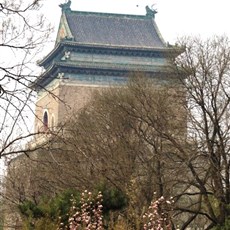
[
  {"x": 114, "y": 29},
  {"x": 110, "y": 29}
]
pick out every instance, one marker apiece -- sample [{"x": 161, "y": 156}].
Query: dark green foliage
[
  {"x": 49, "y": 208},
  {"x": 1, "y": 222},
  {"x": 1, "y": 215},
  {"x": 30, "y": 209},
  {"x": 113, "y": 199},
  {"x": 226, "y": 226},
  {"x": 52, "y": 211}
]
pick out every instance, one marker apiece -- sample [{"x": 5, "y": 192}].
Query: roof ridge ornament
[
  {"x": 66, "y": 6},
  {"x": 150, "y": 12}
]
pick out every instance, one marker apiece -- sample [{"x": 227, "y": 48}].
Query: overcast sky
[{"x": 175, "y": 18}]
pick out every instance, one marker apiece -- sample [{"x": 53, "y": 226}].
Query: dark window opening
[{"x": 45, "y": 120}]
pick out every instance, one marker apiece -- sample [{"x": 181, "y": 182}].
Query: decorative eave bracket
[
  {"x": 66, "y": 6},
  {"x": 150, "y": 12}
]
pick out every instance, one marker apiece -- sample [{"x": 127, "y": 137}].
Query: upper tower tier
[{"x": 102, "y": 48}]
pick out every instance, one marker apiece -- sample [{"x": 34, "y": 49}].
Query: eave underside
[{"x": 59, "y": 70}]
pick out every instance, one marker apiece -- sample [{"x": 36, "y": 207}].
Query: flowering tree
[
  {"x": 158, "y": 215},
  {"x": 89, "y": 216}
]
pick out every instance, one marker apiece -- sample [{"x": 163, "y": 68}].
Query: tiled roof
[{"x": 114, "y": 29}]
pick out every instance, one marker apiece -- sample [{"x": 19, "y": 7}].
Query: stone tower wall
[
  {"x": 47, "y": 102},
  {"x": 63, "y": 100}
]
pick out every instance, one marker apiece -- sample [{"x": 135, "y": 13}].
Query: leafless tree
[
  {"x": 179, "y": 135},
  {"x": 206, "y": 156},
  {"x": 23, "y": 33},
  {"x": 150, "y": 136},
  {"x": 115, "y": 140},
  {"x": 118, "y": 145}
]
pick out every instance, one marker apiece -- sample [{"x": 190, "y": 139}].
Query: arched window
[{"x": 45, "y": 120}]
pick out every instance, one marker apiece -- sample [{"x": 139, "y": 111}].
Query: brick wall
[{"x": 61, "y": 102}]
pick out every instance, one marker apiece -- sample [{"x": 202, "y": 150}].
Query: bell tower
[{"x": 94, "y": 51}]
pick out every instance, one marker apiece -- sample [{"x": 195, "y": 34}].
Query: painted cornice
[
  {"x": 96, "y": 69},
  {"x": 65, "y": 45}
]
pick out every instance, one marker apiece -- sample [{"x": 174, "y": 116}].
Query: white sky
[{"x": 175, "y": 18}]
